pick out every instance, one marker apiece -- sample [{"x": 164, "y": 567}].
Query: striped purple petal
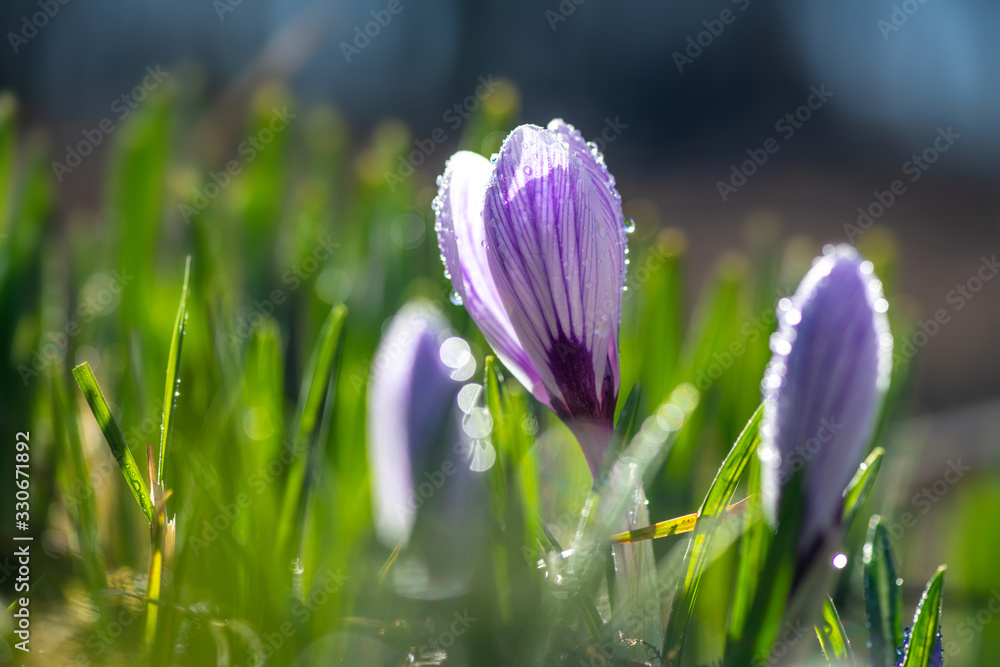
[
  {"x": 556, "y": 246},
  {"x": 831, "y": 364},
  {"x": 462, "y": 239}
]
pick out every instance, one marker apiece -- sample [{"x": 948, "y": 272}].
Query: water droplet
[
  {"x": 629, "y": 225},
  {"x": 527, "y": 170},
  {"x": 478, "y": 423},
  {"x": 468, "y": 397},
  {"x": 494, "y": 158},
  {"x": 455, "y": 352},
  {"x": 455, "y": 298},
  {"x": 482, "y": 456}
]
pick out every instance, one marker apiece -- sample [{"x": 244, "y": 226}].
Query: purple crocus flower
[
  {"x": 831, "y": 364},
  {"x": 534, "y": 242},
  {"x": 411, "y": 407}
]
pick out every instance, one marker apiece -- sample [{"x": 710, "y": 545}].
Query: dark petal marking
[{"x": 557, "y": 252}]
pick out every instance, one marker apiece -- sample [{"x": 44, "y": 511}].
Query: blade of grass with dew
[
  {"x": 173, "y": 381},
  {"x": 716, "y": 501},
  {"x": 883, "y": 596},
  {"x": 860, "y": 486},
  {"x": 926, "y": 624},
  {"x": 80, "y": 497},
  {"x": 161, "y": 525},
  {"x": 676, "y": 526},
  {"x": 113, "y": 435},
  {"x": 833, "y": 638},
  {"x": 317, "y": 383}
]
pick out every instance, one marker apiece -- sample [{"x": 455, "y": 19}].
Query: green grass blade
[
  {"x": 833, "y": 638},
  {"x": 171, "y": 388},
  {"x": 113, "y": 434},
  {"x": 655, "y": 309},
  {"x": 926, "y": 622},
  {"x": 712, "y": 509},
  {"x": 883, "y": 597},
  {"x": 774, "y": 584},
  {"x": 317, "y": 386},
  {"x": 753, "y": 551},
  {"x": 860, "y": 486}
]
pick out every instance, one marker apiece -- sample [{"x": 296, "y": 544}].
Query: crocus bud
[
  {"x": 535, "y": 246},
  {"x": 831, "y": 365},
  {"x": 411, "y": 420}
]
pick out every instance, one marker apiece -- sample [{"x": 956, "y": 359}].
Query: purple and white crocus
[
  {"x": 831, "y": 365},
  {"x": 535, "y": 245}
]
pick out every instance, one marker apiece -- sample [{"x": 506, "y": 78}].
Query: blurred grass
[{"x": 266, "y": 465}]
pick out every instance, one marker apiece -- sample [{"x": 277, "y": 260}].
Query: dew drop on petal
[
  {"x": 629, "y": 225},
  {"x": 455, "y": 297},
  {"x": 781, "y": 346},
  {"x": 840, "y": 561}
]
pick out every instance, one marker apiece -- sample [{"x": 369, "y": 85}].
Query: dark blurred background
[{"x": 689, "y": 88}]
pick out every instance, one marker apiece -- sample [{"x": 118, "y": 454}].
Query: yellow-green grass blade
[
  {"x": 676, "y": 526},
  {"x": 113, "y": 435},
  {"x": 833, "y": 638}
]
